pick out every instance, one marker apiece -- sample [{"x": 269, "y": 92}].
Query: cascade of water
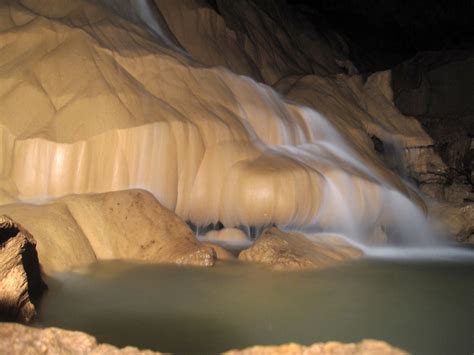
[
  {"x": 356, "y": 201},
  {"x": 209, "y": 144},
  {"x": 349, "y": 207}
]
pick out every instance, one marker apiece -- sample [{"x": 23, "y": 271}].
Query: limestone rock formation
[
  {"x": 362, "y": 108},
  {"x": 16, "y": 339},
  {"x": 98, "y": 100},
  {"x": 127, "y": 225},
  {"x": 456, "y": 220},
  {"x": 359, "y": 106},
  {"x": 365, "y": 347},
  {"x": 221, "y": 252},
  {"x": 262, "y": 40},
  {"x": 437, "y": 87},
  {"x": 294, "y": 251},
  {"x": 21, "y": 284}
]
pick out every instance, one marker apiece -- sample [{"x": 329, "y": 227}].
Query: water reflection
[{"x": 423, "y": 307}]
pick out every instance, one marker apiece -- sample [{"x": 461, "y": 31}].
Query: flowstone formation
[
  {"x": 123, "y": 123},
  {"x": 237, "y": 114},
  {"x": 97, "y": 102}
]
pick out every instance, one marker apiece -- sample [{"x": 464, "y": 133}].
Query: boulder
[
  {"x": 294, "y": 251},
  {"x": 16, "y": 339},
  {"x": 126, "y": 225},
  {"x": 365, "y": 347},
  {"x": 21, "y": 284}
]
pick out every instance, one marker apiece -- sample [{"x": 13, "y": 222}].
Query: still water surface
[{"x": 423, "y": 307}]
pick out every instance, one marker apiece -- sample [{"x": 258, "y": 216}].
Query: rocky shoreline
[{"x": 17, "y": 339}]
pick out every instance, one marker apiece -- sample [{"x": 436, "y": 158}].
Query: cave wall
[{"x": 437, "y": 88}]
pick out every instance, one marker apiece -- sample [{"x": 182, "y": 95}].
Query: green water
[{"x": 422, "y": 307}]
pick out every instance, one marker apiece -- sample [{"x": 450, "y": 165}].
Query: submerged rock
[
  {"x": 293, "y": 251},
  {"x": 126, "y": 225},
  {"x": 20, "y": 275},
  {"x": 16, "y": 339},
  {"x": 365, "y": 347}
]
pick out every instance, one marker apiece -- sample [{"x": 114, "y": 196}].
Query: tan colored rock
[
  {"x": 61, "y": 244},
  {"x": 362, "y": 108},
  {"x": 21, "y": 284},
  {"x": 16, "y": 339},
  {"x": 457, "y": 193},
  {"x": 434, "y": 191},
  {"x": 358, "y": 107},
  {"x": 259, "y": 44},
  {"x": 126, "y": 225},
  {"x": 293, "y": 251},
  {"x": 365, "y": 347},
  {"x": 425, "y": 165},
  {"x": 132, "y": 224},
  {"x": 221, "y": 253},
  {"x": 456, "y": 221}
]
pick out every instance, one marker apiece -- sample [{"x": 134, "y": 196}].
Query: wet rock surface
[
  {"x": 365, "y": 347},
  {"x": 294, "y": 251},
  {"x": 221, "y": 252},
  {"x": 455, "y": 220},
  {"x": 21, "y": 284},
  {"x": 16, "y": 339},
  {"x": 126, "y": 225}
]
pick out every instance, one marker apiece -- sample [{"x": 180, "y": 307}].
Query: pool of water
[{"x": 425, "y": 307}]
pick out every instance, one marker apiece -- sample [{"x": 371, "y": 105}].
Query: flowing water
[{"x": 425, "y": 307}]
